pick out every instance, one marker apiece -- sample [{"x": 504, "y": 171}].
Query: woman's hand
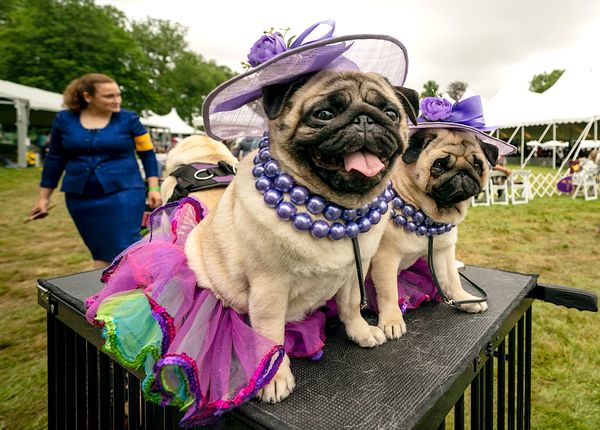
[
  {"x": 154, "y": 199},
  {"x": 40, "y": 210}
]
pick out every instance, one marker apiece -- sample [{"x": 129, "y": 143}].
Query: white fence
[
  {"x": 544, "y": 184},
  {"x": 522, "y": 186}
]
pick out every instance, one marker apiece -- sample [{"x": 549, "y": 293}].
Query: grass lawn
[{"x": 554, "y": 237}]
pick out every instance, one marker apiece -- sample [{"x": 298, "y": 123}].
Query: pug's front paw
[
  {"x": 473, "y": 308},
  {"x": 366, "y": 335},
  {"x": 281, "y": 386},
  {"x": 393, "y": 326}
]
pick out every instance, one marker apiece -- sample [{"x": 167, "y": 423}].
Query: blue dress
[{"x": 103, "y": 186}]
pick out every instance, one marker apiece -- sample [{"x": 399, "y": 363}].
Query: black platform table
[{"x": 418, "y": 381}]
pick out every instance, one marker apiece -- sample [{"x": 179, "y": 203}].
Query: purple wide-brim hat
[
  {"x": 503, "y": 147},
  {"x": 234, "y": 109}
]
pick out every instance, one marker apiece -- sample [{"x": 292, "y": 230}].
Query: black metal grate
[
  {"x": 500, "y": 393},
  {"x": 89, "y": 390}
]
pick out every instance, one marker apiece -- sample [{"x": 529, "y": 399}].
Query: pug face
[
  {"x": 340, "y": 132},
  {"x": 449, "y": 166}
]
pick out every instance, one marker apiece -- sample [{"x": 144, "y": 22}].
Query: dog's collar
[
  {"x": 201, "y": 176},
  {"x": 281, "y": 193},
  {"x": 414, "y": 220}
]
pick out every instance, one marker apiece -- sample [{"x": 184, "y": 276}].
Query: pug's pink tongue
[{"x": 364, "y": 162}]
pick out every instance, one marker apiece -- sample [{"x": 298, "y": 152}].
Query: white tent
[
  {"x": 29, "y": 106},
  {"x": 572, "y": 99},
  {"x": 38, "y": 99},
  {"x": 171, "y": 122},
  {"x": 589, "y": 144}
]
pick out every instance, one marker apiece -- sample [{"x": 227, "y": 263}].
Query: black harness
[{"x": 201, "y": 176}]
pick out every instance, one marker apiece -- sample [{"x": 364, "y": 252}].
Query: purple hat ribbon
[
  {"x": 467, "y": 112},
  {"x": 300, "y": 39}
]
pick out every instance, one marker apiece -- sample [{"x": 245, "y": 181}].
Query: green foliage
[
  {"x": 456, "y": 89},
  {"x": 541, "y": 82},
  {"x": 48, "y": 43},
  {"x": 182, "y": 78},
  {"x": 430, "y": 89}
]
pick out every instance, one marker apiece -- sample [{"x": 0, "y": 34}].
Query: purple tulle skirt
[{"x": 197, "y": 354}]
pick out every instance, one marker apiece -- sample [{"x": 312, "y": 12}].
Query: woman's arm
[{"x": 54, "y": 166}]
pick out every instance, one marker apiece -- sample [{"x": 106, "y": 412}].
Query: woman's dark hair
[{"x": 73, "y": 94}]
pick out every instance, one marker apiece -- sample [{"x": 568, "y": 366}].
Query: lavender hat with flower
[
  {"x": 234, "y": 108},
  {"x": 466, "y": 115}
]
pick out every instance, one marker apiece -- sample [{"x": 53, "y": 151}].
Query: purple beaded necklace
[
  {"x": 414, "y": 220},
  {"x": 281, "y": 193}
]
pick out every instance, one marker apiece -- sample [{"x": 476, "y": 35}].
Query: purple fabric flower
[
  {"x": 435, "y": 108},
  {"x": 265, "y": 48}
]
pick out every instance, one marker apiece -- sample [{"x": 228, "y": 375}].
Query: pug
[
  {"x": 438, "y": 173},
  {"x": 196, "y": 149},
  {"x": 339, "y": 134}
]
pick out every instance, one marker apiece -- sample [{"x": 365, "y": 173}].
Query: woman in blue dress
[{"x": 95, "y": 142}]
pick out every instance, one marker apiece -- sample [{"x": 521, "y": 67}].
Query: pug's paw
[
  {"x": 473, "y": 308},
  {"x": 392, "y": 326},
  {"x": 365, "y": 335},
  {"x": 281, "y": 386}
]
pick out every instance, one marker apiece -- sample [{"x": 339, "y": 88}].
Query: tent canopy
[
  {"x": 548, "y": 145},
  {"x": 171, "y": 121},
  {"x": 573, "y": 98},
  {"x": 42, "y": 105},
  {"x": 38, "y": 99},
  {"x": 24, "y": 106},
  {"x": 589, "y": 144}
]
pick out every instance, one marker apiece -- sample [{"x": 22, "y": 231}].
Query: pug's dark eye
[
  {"x": 439, "y": 166},
  {"x": 324, "y": 115},
  {"x": 478, "y": 166},
  {"x": 440, "y": 163},
  {"x": 392, "y": 114}
]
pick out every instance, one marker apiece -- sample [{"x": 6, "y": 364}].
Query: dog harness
[{"x": 201, "y": 176}]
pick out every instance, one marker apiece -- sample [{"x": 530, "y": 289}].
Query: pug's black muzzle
[{"x": 456, "y": 189}]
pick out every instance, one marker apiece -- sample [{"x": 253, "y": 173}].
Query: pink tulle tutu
[{"x": 197, "y": 354}]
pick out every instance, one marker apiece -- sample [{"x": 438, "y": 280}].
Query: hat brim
[
  {"x": 234, "y": 109},
  {"x": 503, "y": 147}
]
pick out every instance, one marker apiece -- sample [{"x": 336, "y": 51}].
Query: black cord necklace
[{"x": 453, "y": 303}]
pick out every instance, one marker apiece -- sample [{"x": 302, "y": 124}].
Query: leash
[
  {"x": 453, "y": 303},
  {"x": 359, "y": 272}
]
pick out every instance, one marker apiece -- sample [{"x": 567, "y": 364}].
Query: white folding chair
[
  {"x": 585, "y": 184},
  {"x": 499, "y": 188},
  {"x": 520, "y": 188},
  {"x": 483, "y": 198}
]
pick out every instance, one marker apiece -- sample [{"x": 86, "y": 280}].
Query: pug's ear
[
  {"x": 417, "y": 142},
  {"x": 410, "y": 100},
  {"x": 275, "y": 96},
  {"x": 490, "y": 151}
]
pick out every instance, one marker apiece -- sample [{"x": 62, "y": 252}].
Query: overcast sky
[{"x": 480, "y": 42}]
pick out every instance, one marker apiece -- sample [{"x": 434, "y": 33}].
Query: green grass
[{"x": 554, "y": 237}]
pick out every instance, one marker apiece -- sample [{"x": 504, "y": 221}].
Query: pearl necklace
[
  {"x": 281, "y": 193},
  {"x": 414, "y": 220}
]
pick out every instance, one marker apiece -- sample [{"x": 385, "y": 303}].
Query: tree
[
  {"x": 541, "y": 82},
  {"x": 181, "y": 78},
  {"x": 430, "y": 89},
  {"x": 47, "y": 43},
  {"x": 456, "y": 89}
]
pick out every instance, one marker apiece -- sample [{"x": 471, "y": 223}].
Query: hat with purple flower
[
  {"x": 235, "y": 109},
  {"x": 466, "y": 115}
]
